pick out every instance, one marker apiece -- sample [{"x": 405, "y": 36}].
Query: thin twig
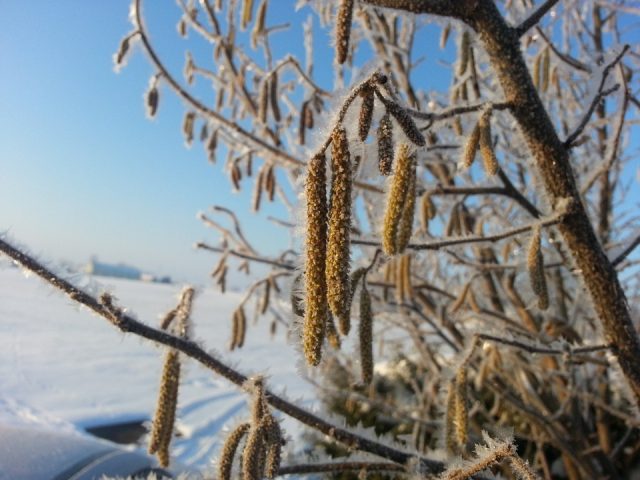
[
  {"x": 568, "y": 59},
  {"x": 568, "y": 143},
  {"x": 452, "y": 112},
  {"x": 236, "y": 225},
  {"x": 613, "y": 154},
  {"x": 535, "y": 17},
  {"x": 546, "y": 351},
  {"x": 245, "y": 256},
  {"x": 437, "y": 245},
  {"x": 626, "y": 252}
]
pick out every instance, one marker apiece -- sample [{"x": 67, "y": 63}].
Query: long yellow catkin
[
  {"x": 259, "y": 25},
  {"x": 427, "y": 210},
  {"x": 338, "y": 243},
  {"x": 463, "y": 55},
  {"x": 366, "y": 335},
  {"x": 470, "y": 148},
  {"x": 545, "y": 70},
  {"x": 259, "y": 407},
  {"x": 407, "y": 124},
  {"x": 253, "y": 453},
  {"x": 273, "y": 437},
  {"x": 239, "y": 328},
  {"x": 489, "y": 160},
  {"x": 535, "y": 266},
  {"x": 343, "y": 29},
  {"x": 273, "y": 97},
  {"x": 450, "y": 427},
  {"x": 366, "y": 113},
  {"x": 385, "y": 144},
  {"x": 247, "y": 11},
  {"x": 164, "y": 417},
  {"x": 461, "y": 411},
  {"x": 405, "y": 227},
  {"x": 332, "y": 333},
  {"x": 396, "y": 198},
  {"x": 315, "y": 312},
  {"x": 229, "y": 449}
]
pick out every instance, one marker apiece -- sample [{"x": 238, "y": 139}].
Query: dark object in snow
[{"x": 31, "y": 454}]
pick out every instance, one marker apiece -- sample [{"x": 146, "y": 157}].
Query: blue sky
[{"x": 82, "y": 171}]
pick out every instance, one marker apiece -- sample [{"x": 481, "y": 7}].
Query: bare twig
[
  {"x": 246, "y": 256},
  {"x": 568, "y": 59},
  {"x": 437, "y": 245},
  {"x": 568, "y": 143},
  {"x": 535, "y": 17},
  {"x": 626, "y": 252},
  {"x": 613, "y": 153}
]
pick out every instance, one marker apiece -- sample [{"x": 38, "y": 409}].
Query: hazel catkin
[
  {"x": 535, "y": 267},
  {"x": 315, "y": 312},
  {"x": 470, "y": 148},
  {"x": 366, "y": 335},
  {"x": 405, "y": 226},
  {"x": 338, "y": 242},
  {"x": 366, "y": 113},
  {"x": 396, "y": 198},
  {"x": 343, "y": 29},
  {"x": 485, "y": 142},
  {"x": 385, "y": 144},
  {"x": 229, "y": 448},
  {"x": 165, "y": 415}
]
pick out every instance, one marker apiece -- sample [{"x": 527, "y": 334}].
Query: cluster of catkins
[
  {"x": 263, "y": 445},
  {"x": 329, "y": 290}
]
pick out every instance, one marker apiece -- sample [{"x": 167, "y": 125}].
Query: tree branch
[
  {"x": 367, "y": 467},
  {"x": 435, "y": 7},
  {"x": 437, "y": 245}
]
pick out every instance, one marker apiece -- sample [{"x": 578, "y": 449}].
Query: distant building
[
  {"x": 120, "y": 270},
  {"x": 94, "y": 267}
]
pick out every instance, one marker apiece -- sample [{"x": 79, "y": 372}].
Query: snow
[{"x": 64, "y": 368}]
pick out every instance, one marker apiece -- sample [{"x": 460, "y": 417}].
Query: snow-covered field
[{"x": 65, "y": 368}]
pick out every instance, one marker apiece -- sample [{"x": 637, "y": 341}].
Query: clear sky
[{"x": 82, "y": 171}]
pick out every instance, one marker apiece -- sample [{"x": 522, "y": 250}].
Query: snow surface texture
[{"x": 65, "y": 368}]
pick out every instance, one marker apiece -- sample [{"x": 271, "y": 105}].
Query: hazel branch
[
  {"x": 437, "y": 245},
  {"x": 340, "y": 467},
  {"x": 542, "y": 350}
]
